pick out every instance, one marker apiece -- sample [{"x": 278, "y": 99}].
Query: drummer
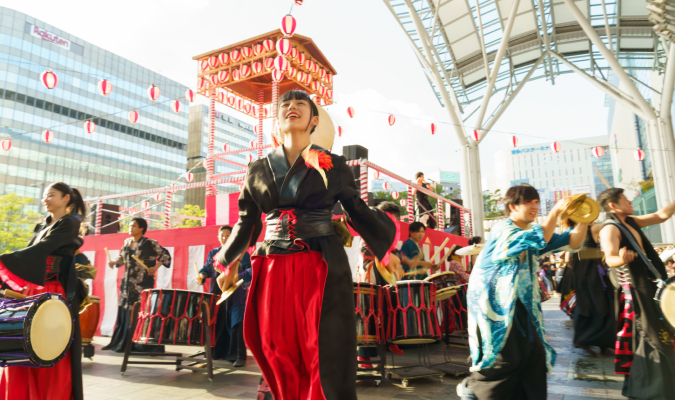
[
  {"x": 371, "y": 274},
  {"x": 414, "y": 256}
]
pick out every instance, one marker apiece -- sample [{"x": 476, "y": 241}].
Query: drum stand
[
  {"x": 418, "y": 371},
  {"x": 381, "y": 361},
  {"x": 450, "y": 367},
  {"x": 179, "y": 356}
]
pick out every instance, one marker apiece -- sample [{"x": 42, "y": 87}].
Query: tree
[
  {"x": 16, "y": 221},
  {"x": 191, "y": 210},
  {"x": 491, "y": 203},
  {"x": 380, "y": 194}
]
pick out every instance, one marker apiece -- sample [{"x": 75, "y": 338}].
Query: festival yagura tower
[{"x": 247, "y": 76}]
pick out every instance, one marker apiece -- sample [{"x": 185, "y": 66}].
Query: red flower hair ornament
[{"x": 319, "y": 160}]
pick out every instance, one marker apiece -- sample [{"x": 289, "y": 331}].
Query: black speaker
[
  {"x": 107, "y": 217},
  {"x": 356, "y": 152}
]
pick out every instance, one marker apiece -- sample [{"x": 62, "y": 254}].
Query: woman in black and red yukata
[
  {"x": 47, "y": 264},
  {"x": 299, "y": 322}
]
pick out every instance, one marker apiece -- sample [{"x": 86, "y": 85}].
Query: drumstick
[
  {"x": 196, "y": 268},
  {"x": 12, "y": 294},
  {"x": 415, "y": 272},
  {"x": 138, "y": 260},
  {"x": 439, "y": 250},
  {"x": 107, "y": 254},
  {"x": 446, "y": 255}
]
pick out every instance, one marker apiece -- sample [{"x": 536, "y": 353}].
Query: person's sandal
[{"x": 239, "y": 363}]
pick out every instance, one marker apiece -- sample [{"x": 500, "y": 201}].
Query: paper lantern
[
  {"x": 254, "y": 110},
  {"x": 284, "y": 46},
  {"x": 105, "y": 87},
  {"x": 316, "y": 86},
  {"x": 301, "y": 58},
  {"x": 339, "y": 131},
  {"x": 298, "y": 2},
  {"x": 256, "y": 130},
  {"x": 280, "y": 64},
  {"x": 322, "y": 73},
  {"x": 391, "y": 120},
  {"x": 277, "y": 75},
  {"x": 153, "y": 92},
  {"x": 308, "y": 79},
  {"x": 247, "y": 108},
  {"x": 202, "y": 83},
  {"x": 376, "y": 174},
  {"x": 317, "y": 100},
  {"x": 266, "y": 112},
  {"x": 214, "y": 79},
  {"x": 598, "y": 151},
  {"x": 394, "y": 195},
  {"x": 291, "y": 72},
  {"x": 309, "y": 64},
  {"x": 322, "y": 91},
  {"x": 475, "y": 135},
  {"x": 350, "y": 112},
  {"x": 249, "y": 158},
  {"x": 220, "y": 96},
  {"x": 145, "y": 205},
  {"x": 257, "y": 67},
  {"x": 386, "y": 186},
  {"x": 432, "y": 128},
  {"x": 403, "y": 202},
  {"x": 190, "y": 95},
  {"x": 133, "y": 117},
  {"x": 288, "y": 25},
  {"x": 329, "y": 93},
  {"x": 223, "y": 76},
  {"x": 235, "y": 56},
  {"x": 231, "y": 100},
  {"x": 226, "y": 148},
  {"x": 268, "y": 45},
  {"x": 223, "y": 59},
  {"x": 300, "y": 76},
  {"x": 246, "y": 52},
  {"x": 555, "y": 146},
  {"x": 175, "y": 106},
  {"x": 269, "y": 63},
  {"x": 294, "y": 53},
  {"x": 6, "y": 144},
  {"x": 204, "y": 65},
  {"x": 158, "y": 197},
  {"x": 514, "y": 141},
  {"x": 189, "y": 177},
  {"x": 89, "y": 127},
  {"x": 315, "y": 68},
  {"x": 253, "y": 144},
  {"x": 258, "y": 48},
  {"x": 49, "y": 79},
  {"x": 213, "y": 62},
  {"x": 329, "y": 78},
  {"x": 236, "y": 75},
  {"x": 245, "y": 71},
  {"x": 47, "y": 136},
  {"x": 240, "y": 104},
  {"x": 639, "y": 154}
]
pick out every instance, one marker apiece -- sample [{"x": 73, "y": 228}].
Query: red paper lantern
[
  {"x": 391, "y": 120},
  {"x": 339, "y": 131},
  {"x": 298, "y": 2},
  {"x": 105, "y": 87},
  {"x": 291, "y": 72},
  {"x": 214, "y": 79},
  {"x": 145, "y": 205},
  {"x": 176, "y": 106},
  {"x": 317, "y": 100},
  {"x": 598, "y": 151},
  {"x": 221, "y": 97},
  {"x": 268, "y": 45},
  {"x": 294, "y": 53},
  {"x": 257, "y": 67},
  {"x": 309, "y": 64},
  {"x": 89, "y": 127},
  {"x": 301, "y": 58},
  {"x": 245, "y": 71},
  {"x": 284, "y": 46},
  {"x": 308, "y": 79},
  {"x": 158, "y": 197},
  {"x": 394, "y": 195},
  {"x": 240, "y": 104},
  {"x": 204, "y": 65},
  {"x": 223, "y": 59},
  {"x": 226, "y": 148},
  {"x": 269, "y": 63},
  {"x": 231, "y": 100},
  {"x": 202, "y": 83},
  {"x": 49, "y": 79},
  {"x": 153, "y": 92},
  {"x": 376, "y": 174},
  {"x": 47, "y": 136},
  {"x": 133, "y": 117},
  {"x": 322, "y": 90},
  {"x": 316, "y": 86},
  {"x": 403, "y": 202},
  {"x": 249, "y": 158},
  {"x": 6, "y": 144},
  {"x": 280, "y": 64},
  {"x": 288, "y": 25},
  {"x": 223, "y": 76},
  {"x": 246, "y": 52},
  {"x": 189, "y": 177},
  {"x": 213, "y": 62},
  {"x": 433, "y": 128},
  {"x": 475, "y": 135},
  {"x": 386, "y": 186},
  {"x": 555, "y": 146},
  {"x": 514, "y": 141},
  {"x": 235, "y": 56},
  {"x": 258, "y": 48},
  {"x": 266, "y": 112},
  {"x": 253, "y": 144},
  {"x": 329, "y": 93},
  {"x": 247, "y": 108},
  {"x": 277, "y": 75},
  {"x": 350, "y": 112},
  {"x": 315, "y": 67},
  {"x": 322, "y": 73},
  {"x": 300, "y": 76},
  {"x": 236, "y": 75},
  {"x": 329, "y": 78},
  {"x": 190, "y": 95},
  {"x": 639, "y": 154},
  {"x": 254, "y": 110}
]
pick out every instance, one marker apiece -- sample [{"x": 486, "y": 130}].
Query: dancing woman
[
  {"x": 47, "y": 265},
  {"x": 299, "y": 321}
]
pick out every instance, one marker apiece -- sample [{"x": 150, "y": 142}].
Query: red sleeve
[{"x": 10, "y": 279}]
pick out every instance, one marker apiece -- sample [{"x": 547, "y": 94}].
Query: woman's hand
[
  {"x": 226, "y": 279},
  {"x": 394, "y": 263}
]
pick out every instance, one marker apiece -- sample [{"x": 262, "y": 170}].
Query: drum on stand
[
  {"x": 665, "y": 297},
  {"x": 172, "y": 317},
  {"x": 89, "y": 318},
  {"x": 412, "y": 313},
  {"x": 368, "y": 303},
  {"x": 446, "y": 284},
  {"x": 35, "y": 331}
]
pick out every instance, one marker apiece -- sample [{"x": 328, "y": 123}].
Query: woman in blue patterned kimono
[{"x": 510, "y": 356}]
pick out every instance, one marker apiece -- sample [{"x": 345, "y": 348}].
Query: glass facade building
[{"x": 119, "y": 156}]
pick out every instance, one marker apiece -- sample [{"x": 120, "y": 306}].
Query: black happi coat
[
  {"x": 272, "y": 184},
  {"x": 61, "y": 241}
]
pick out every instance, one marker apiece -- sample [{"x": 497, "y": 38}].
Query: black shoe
[{"x": 239, "y": 363}]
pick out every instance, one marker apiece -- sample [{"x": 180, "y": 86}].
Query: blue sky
[{"x": 378, "y": 73}]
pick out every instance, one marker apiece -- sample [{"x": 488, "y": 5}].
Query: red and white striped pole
[
  {"x": 461, "y": 222},
  {"x": 167, "y": 211},
  {"x": 441, "y": 215},
  {"x": 99, "y": 216},
  {"x": 470, "y": 224},
  {"x": 212, "y": 133},
  {"x": 364, "y": 179},
  {"x": 411, "y": 205},
  {"x": 261, "y": 103}
]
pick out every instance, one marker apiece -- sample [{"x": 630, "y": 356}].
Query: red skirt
[
  {"x": 281, "y": 323},
  {"x": 25, "y": 383}
]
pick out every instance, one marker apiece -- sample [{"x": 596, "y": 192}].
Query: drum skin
[
  {"x": 368, "y": 304},
  {"x": 412, "y": 313},
  {"x": 665, "y": 298},
  {"x": 446, "y": 285},
  {"x": 89, "y": 318}
]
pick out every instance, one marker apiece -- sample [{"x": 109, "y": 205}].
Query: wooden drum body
[
  {"x": 665, "y": 297},
  {"x": 446, "y": 284},
  {"x": 368, "y": 303},
  {"x": 89, "y": 318},
  {"x": 172, "y": 317},
  {"x": 412, "y": 313}
]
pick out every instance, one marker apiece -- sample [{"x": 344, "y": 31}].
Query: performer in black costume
[
  {"x": 644, "y": 345},
  {"x": 594, "y": 322},
  {"x": 299, "y": 322},
  {"x": 424, "y": 206},
  {"x": 136, "y": 279},
  {"x": 47, "y": 265}
]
